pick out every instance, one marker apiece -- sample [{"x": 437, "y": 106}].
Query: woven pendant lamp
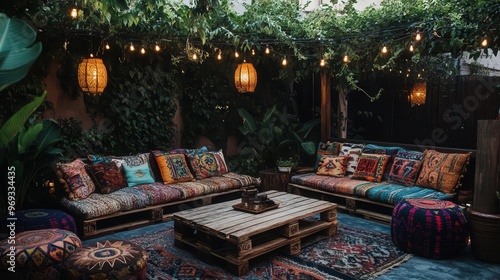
[
  {"x": 92, "y": 75},
  {"x": 245, "y": 77}
]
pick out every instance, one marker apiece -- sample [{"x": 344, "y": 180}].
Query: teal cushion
[{"x": 137, "y": 175}]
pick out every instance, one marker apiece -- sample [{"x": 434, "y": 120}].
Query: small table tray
[{"x": 241, "y": 207}]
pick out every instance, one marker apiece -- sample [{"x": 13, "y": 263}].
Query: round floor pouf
[
  {"x": 430, "y": 228},
  {"x": 32, "y": 219},
  {"x": 110, "y": 259},
  {"x": 38, "y": 251}
]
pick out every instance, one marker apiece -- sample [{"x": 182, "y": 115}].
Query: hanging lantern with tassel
[
  {"x": 418, "y": 93},
  {"x": 245, "y": 77},
  {"x": 92, "y": 75}
]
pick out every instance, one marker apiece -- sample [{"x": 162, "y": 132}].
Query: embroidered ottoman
[
  {"x": 38, "y": 252},
  {"x": 430, "y": 228},
  {"x": 111, "y": 259},
  {"x": 32, "y": 219}
]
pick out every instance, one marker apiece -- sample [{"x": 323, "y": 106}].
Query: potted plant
[{"x": 286, "y": 165}]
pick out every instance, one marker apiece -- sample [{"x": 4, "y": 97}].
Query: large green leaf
[
  {"x": 17, "y": 51},
  {"x": 249, "y": 125},
  {"x": 16, "y": 122},
  {"x": 27, "y": 136}
]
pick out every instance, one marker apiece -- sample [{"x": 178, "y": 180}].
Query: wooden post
[
  {"x": 342, "y": 114},
  {"x": 487, "y": 176},
  {"x": 326, "y": 106}
]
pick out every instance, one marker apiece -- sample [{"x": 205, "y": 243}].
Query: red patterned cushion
[
  {"x": 332, "y": 166},
  {"x": 208, "y": 164},
  {"x": 75, "y": 179},
  {"x": 353, "y": 151},
  {"x": 405, "y": 168},
  {"x": 107, "y": 176},
  {"x": 371, "y": 167},
  {"x": 442, "y": 171}
]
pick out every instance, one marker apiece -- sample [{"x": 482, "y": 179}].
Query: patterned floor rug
[{"x": 352, "y": 254}]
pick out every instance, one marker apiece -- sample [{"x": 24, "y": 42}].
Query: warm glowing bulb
[
  {"x": 484, "y": 43},
  {"x": 346, "y": 58},
  {"x": 157, "y": 48},
  {"x": 143, "y": 51},
  {"x": 195, "y": 57},
  {"x": 74, "y": 12},
  {"x": 219, "y": 56},
  {"x": 322, "y": 62},
  {"x": 236, "y": 54},
  {"x": 267, "y": 50},
  {"x": 411, "y": 48},
  {"x": 384, "y": 49},
  {"x": 253, "y": 52},
  {"x": 284, "y": 62},
  {"x": 132, "y": 48},
  {"x": 418, "y": 37},
  {"x": 107, "y": 46}
]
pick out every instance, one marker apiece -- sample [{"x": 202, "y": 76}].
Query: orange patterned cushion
[
  {"x": 371, "y": 167},
  {"x": 174, "y": 168},
  {"x": 332, "y": 166},
  {"x": 442, "y": 171}
]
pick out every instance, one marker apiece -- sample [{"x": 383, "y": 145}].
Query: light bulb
[
  {"x": 143, "y": 51},
  {"x": 74, "y": 13},
  {"x": 346, "y": 58},
  {"x": 384, "y": 49},
  {"x": 322, "y": 62},
  {"x": 411, "y": 48},
  {"x": 195, "y": 57},
  {"x": 418, "y": 37},
  {"x": 253, "y": 51},
  {"x": 484, "y": 43},
  {"x": 284, "y": 62},
  {"x": 157, "y": 47},
  {"x": 267, "y": 50},
  {"x": 132, "y": 48},
  {"x": 236, "y": 54},
  {"x": 107, "y": 46},
  {"x": 219, "y": 56}
]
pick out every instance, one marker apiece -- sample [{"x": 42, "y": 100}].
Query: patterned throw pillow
[
  {"x": 328, "y": 148},
  {"x": 138, "y": 174},
  {"x": 174, "y": 168},
  {"x": 384, "y": 150},
  {"x": 332, "y": 166},
  {"x": 75, "y": 179},
  {"x": 156, "y": 153},
  {"x": 107, "y": 176},
  {"x": 353, "y": 151},
  {"x": 405, "y": 168},
  {"x": 442, "y": 171},
  {"x": 208, "y": 164},
  {"x": 371, "y": 167}
]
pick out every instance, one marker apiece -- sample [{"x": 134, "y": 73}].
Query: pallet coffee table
[{"x": 235, "y": 236}]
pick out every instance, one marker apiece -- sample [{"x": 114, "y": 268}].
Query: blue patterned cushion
[
  {"x": 394, "y": 193},
  {"x": 137, "y": 175},
  {"x": 405, "y": 168}
]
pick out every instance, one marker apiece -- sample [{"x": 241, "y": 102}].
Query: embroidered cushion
[
  {"x": 328, "y": 148},
  {"x": 384, "y": 150},
  {"x": 107, "y": 176},
  {"x": 353, "y": 151},
  {"x": 208, "y": 164},
  {"x": 75, "y": 179},
  {"x": 371, "y": 167},
  {"x": 174, "y": 168},
  {"x": 138, "y": 174},
  {"x": 332, "y": 166},
  {"x": 157, "y": 153},
  {"x": 442, "y": 171},
  {"x": 405, "y": 168}
]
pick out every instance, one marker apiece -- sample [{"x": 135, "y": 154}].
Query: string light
[
  {"x": 411, "y": 48},
  {"x": 284, "y": 62},
  {"x": 384, "y": 49},
  {"x": 132, "y": 48},
  {"x": 346, "y": 58},
  {"x": 322, "y": 62},
  {"x": 74, "y": 13},
  {"x": 143, "y": 51},
  {"x": 195, "y": 57},
  {"x": 253, "y": 51},
  {"x": 107, "y": 46},
  {"x": 236, "y": 54},
  {"x": 157, "y": 47},
  {"x": 484, "y": 43},
  {"x": 219, "y": 55},
  {"x": 267, "y": 51},
  {"x": 418, "y": 37}
]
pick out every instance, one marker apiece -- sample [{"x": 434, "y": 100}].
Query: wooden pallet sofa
[
  {"x": 370, "y": 178},
  {"x": 106, "y": 194}
]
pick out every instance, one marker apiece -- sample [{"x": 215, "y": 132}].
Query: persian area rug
[{"x": 352, "y": 254}]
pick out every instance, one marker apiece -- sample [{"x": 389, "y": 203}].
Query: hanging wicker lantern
[
  {"x": 92, "y": 75},
  {"x": 245, "y": 77},
  {"x": 418, "y": 93}
]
